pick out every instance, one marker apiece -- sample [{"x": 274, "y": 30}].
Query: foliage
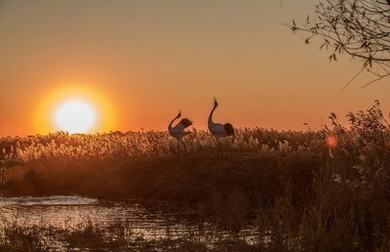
[{"x": 359, "y": 28}]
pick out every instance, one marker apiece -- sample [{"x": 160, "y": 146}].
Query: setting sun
[
  {"x": 75, "y": 109},
  {"x": 156, "y": 125},
  {"x": 75, "y": 116}
]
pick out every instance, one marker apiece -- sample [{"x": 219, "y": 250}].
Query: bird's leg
[
  {"x": 185, "y": 148},
  {"x": 220, "y": 143},
  {"x": 218, "y": 146},
  {"x": 233, "y": 138},
  {"x": 224, "y": 146},
  {"x": 178, "y": 146},
  {"x": 221, "y": 147},
  {"x": 231, "y": 144}
]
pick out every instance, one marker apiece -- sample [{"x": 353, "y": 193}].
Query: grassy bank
[
  {"x": 325, "y": 190},
  {"x": 116, "y": 237}
]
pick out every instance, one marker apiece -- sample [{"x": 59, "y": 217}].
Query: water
[
  {"x": 69, "y": 212},
  {"x": 149, "y": 220}
]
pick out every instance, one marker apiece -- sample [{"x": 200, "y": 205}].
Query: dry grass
[{"x": 302, "y": 194}]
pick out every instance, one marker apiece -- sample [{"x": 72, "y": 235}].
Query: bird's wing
[
  {"x": 229, "y": 128},
  {"x": 186, "y": 122},
  {"x": 217, "y": 128}
]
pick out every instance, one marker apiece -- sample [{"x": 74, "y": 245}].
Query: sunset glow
[
  {"x": 75, "y": 109},
  {"x": 146, "y": 60},
  {"x": 75, "y": 116},
  {"x": 156, "y": 125}
]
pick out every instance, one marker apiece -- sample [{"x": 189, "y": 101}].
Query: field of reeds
[
  {"x": 115, "y": 237},
  {"x": 314, "y": 190}
]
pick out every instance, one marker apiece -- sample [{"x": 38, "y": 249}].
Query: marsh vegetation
[{"x": 314, "y": 190}]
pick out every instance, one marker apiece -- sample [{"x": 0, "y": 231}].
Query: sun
[
  {"x": 76, "y": 108},
  {"x": 75, "y": 116}
]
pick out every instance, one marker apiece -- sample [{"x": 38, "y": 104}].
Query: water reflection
[
  {"x": 149, "y": 220},
  {"x": 71, "y": 212}
]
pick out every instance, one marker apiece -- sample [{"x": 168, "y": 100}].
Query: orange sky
[{"x": 151, "y": 58}]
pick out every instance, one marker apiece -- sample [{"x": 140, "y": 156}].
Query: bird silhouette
[
  {"x": 219, "y": 130},
  {"x": 178, "y": 131}
]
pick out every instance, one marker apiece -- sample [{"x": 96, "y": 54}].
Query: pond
[{"x": 149, "y": 220}]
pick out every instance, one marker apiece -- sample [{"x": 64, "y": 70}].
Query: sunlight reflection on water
[
  {"x": 73, "y": 211},
  {"x": 50, "y": 200},
  {"x": 153, "y": 222}
]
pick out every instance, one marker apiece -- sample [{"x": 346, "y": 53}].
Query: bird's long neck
[
  {"x": 211, "y": 115},
  {"x": 173, "y": 120}
]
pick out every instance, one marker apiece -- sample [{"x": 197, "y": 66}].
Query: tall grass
[
  {"x": 323, "y": 190},
  {"x": 116, "y": 237},
  {"x": 117, "y": 145}
]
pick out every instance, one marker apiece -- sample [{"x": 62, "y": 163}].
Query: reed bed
[
  {"x": 314, "y": 190},
  {"x": 116, "y": 145}
]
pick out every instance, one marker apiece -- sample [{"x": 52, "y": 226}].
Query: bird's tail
[
  {"x": 229, "y": 129},
  {"x": 186, "y": 122}
]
